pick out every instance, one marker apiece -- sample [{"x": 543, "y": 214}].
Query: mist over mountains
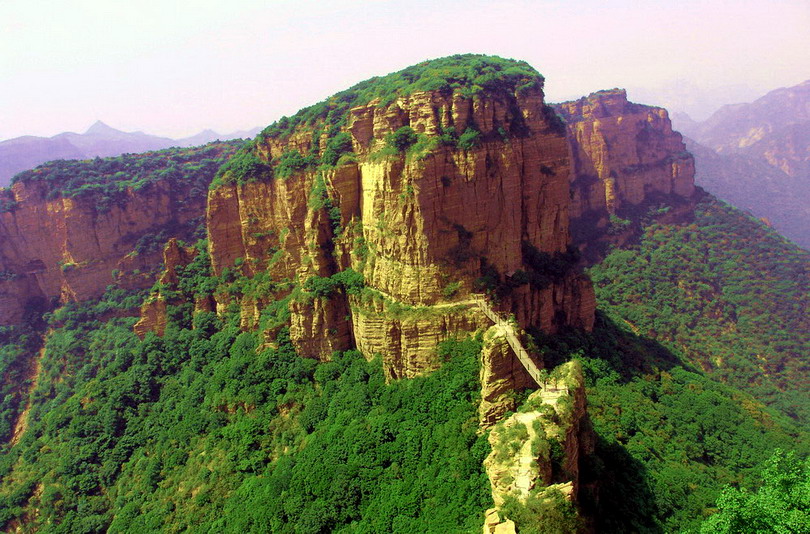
[
  {"x": 757, "y": 157},
  {"x": 100, "y": 140}
]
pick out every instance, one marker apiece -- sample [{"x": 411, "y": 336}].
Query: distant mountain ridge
[
  {"x": 757, "y": 157},
  {"x": 100, "y": 140},
  {"x": 739, "y": 127}
]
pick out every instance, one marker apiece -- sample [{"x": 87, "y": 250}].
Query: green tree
[{"x": 781, "y": 504}]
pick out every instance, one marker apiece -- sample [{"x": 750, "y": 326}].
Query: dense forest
[
  {"x": 217, "y": 430},
  {"x": 727, "y": 294}
]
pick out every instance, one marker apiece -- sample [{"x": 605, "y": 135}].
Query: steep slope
[
  {"x": 68, "y": 229},
  {"x": 379, "y": 220},
  {"x": 626, "y": 158},
  {"x": 726, "y": 293},
  {"x": 756, "y": 186}
]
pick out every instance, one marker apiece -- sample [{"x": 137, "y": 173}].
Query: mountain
[
  {"x": 66, "y": 226},
  {"x": 736, "y": 127},
  {"x": 757, "y": 156},
  {"x": 208, "y": 136},
  {"x": 100, "y": 140},
  {"x": 384, "y": 324}
]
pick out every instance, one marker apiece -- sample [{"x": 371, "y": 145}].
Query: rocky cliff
[
  {"x": 535, "y": 460},
  {"x": 64, "y": 244},
  {"x": 475, "y": 197},
  {"x": 625, "y": 155}
]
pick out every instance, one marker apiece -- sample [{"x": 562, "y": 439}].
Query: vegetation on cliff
[
  {"x": 107, "y": 180},
  {"x": 469, "y": 75},
  {"x": 669, "y": 438},
  {"x": 220, "y": 425},
  {"x": 212, "y": 429}
]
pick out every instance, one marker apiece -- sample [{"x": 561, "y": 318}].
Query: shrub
[
  {"x": 245, "y": 166},
  {"x": 401, "y": 139},
  {"x": 451, "y": 289},
  {"x": 469, "y": 139},
  {"x": 618, "y": 225},
  {"x": 336, "y": 147},
  {"x": 290, "y": 162}
]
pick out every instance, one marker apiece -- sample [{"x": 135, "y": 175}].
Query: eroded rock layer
[
  {"x": 424, "y": 226},
  {"x": 624, "y": 155},
  {"x": 66, "y": 249},
  {"x": 536, "y": 452}
]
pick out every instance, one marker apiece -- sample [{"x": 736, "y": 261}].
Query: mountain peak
[{"x": 99, "y": 127}]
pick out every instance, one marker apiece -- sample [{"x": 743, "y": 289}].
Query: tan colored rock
[
  {"x": 623, "y": 155},
  {"x": 501, "y": 374},
  {"x": 520, "y": 463},
  {"x": 507, "y": 527},
  {"x": 319, "y": 327},
  {"x": 64, "y": 249},
  {"x": 153, "y": 317},
  {"x": 423, "y": 221},
  {"x": 153, "y": 310},
  {"x": 407, "y": 339}
]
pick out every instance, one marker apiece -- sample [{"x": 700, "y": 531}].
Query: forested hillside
[
  {"x": 219, "y": 430},
  {"x": 725, "y": 293}
]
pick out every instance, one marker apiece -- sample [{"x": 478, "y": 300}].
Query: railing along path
[{"x": 511, "y": 337}]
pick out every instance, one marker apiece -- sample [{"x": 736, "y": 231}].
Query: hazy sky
[{"x": 174, "y": 67}]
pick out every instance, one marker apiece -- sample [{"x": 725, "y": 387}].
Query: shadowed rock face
[
  {"x": 415, "y": 224},
  {"x": 425, "y": 228},
  {"x": 64, "y": 249},
  {"x": 624, "y": 155}
]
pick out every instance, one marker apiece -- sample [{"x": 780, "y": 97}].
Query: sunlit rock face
[{"x": 422, "y": 227}]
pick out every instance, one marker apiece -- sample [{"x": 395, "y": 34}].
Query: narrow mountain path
[
  {"x": 511, "y": 337},
  {"x": 480, "y": 301},
  {"x": 32, "y": 377}
]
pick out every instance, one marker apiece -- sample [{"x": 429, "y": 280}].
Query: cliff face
[
  {"x": 68, "y": 229},
  {"x": 624, "y": 155},
  {"x": 64, "y": 249},
  {"x": 421, "y": 227},
  {"x": 153, "y": 311}
]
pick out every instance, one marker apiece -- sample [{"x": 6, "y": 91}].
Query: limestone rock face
[
  {"x": 624, "y": 154},
  {"x": 153, "y": 310},
  {"x": 536, "y": 451},
  {"x": 65, "y": 249},
  {"x": 414, "y": 224},
  {"x": 407, "y": 339},
  {"x": 319, "y": 327},
  {"x": 501, "y": 373}
]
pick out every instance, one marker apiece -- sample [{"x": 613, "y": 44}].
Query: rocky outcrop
[
  {"x": 536, "y": 452},
  {"x": 500, "y": 374},
  {"x": 625, "y": 155},
  {"x": 65, "y": 249},
  {"x": 418, "y": 226},
  {"x": 153, "y": 311}
]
